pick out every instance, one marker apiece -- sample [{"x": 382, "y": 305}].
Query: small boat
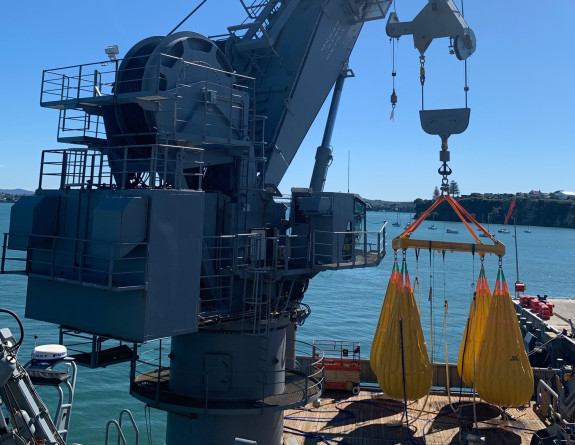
[
  {"x": 483, "y": 235},
  {"x": 397, "y": 222},
  {"x": 432, "y": 227},
  {"x": 451, "y": 231},
  {"x": 503, "y": 231}
]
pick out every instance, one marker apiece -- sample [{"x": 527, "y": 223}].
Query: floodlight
[{"x": 112, "y": 51}]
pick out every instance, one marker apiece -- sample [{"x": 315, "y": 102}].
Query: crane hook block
[
  {"x": 444, "y": 122},
  {"x": 438, "y": 19}
]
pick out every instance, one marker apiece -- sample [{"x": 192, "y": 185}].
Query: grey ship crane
[{"x": 163, "y": 222}]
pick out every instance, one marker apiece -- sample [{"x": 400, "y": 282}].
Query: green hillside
[{"x": 534, "y": 212}]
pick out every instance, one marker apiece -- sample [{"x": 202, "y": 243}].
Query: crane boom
[{"x": 303, "y": 48}]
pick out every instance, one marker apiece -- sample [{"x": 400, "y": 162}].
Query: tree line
[{"x": 528, "y": 211}]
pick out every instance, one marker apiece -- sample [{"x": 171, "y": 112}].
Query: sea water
[{"x": 345, "y": 305}]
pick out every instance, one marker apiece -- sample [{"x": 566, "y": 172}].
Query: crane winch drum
[{"x": 185, "y": 93}]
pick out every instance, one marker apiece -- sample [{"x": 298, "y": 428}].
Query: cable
[
  {"x": 404, "y": 383},
  {"x": 466, "y": 87},
  {"x": 416, "y": 282},
  {"x": 393, "y": 98},
  {"x": 448, "y": 385},
  {"x": 147, "y": 416},
  {"x": 187, "y": 17},
  {"x": 474, "y": 339},
  {"x": 13, "y": 350},
  {"x": 307, "y": 434},
  {"x": 431, "y": 286}
]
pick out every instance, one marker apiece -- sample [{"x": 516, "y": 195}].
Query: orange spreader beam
[{"x": 403, "y": 241}]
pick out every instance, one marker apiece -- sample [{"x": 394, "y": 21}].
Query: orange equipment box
[{"x": 342, "y": 364}]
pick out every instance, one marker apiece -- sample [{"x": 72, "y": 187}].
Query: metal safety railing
[
  {"x": 224, "y": 102},
  {"x": 334, "y": 250},
  {"x": 151, "y": 378},
  {"x": 222, "y": 256},
  {"x": 18, "y": 258},
  {"x": 88, "y": 262},
  {"x": 79, "y": 125},
  {"x": 547, "y": 401},
  {"x": 133, "y": 166}
]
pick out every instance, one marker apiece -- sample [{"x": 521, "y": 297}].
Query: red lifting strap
[{"x": 459, "y": 210}]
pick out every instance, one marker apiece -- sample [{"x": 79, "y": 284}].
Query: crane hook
[{"x": 393, "y": 104}]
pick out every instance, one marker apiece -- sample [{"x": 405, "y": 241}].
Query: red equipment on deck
[
  {"x": 526, "y": 300},
  {"x": 519, "y": 287},
  {"x": 545, "y": 311},
  {"x": 342, "y": 363}
]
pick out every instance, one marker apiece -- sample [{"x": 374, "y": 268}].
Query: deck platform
[
  {"x": 371, "y": 418},
  {"x": 563, "y": 311}
]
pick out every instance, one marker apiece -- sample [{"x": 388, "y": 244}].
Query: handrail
[
  {"x": 547, "y": 400},
  {"x": 5, "y": 258},
  {"x": 131, "y": 417},
  {"x": 118, "y": 428},
  {"x": 364, "y": 248},
  {"x": 83, "y": 168},
  {"x": 156, "y": 390}
]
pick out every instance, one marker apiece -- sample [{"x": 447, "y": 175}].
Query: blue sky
[{"x": 521, "y": 95}]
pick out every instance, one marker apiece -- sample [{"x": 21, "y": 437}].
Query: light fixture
[{"x": 112, "y": 51}]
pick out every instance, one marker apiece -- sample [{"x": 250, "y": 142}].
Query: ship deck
[
  {"x": 371, "y": 418},
  {"x": 564, "y": 310}
]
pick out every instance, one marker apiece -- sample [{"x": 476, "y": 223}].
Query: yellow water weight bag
[
  {"x": 383, "y": 321},
  {"x": 402, "y": 361},
  {"x": 474, "y": 328},
  {"x": 503, "y": 374}
]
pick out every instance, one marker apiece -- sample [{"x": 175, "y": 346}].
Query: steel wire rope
[
  {"x": 466, "y": 335},
  {"x": 436, "y": 416},
  {"x": 147, "y": 417},
  {"x": 474, "y": 339},
  {"x": 546, "y": 343},
  {"x": 393, "y": 97},
  {"x": 307, "y": 434},
  {"x": 187, "y": 17},
  {"x": 445, "y": 309},
  {"x": 416, "y": 281},
  {"x": 352, "y": 416},
  {"x": 466, "y": 87},
  {"x": 486, "y": 422},
  {"x": 441, "y": 336},
  {"x": 430, "y": 298},
  {"x": 431, "y": 334},
  {"x": 406, "y": 415}
]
